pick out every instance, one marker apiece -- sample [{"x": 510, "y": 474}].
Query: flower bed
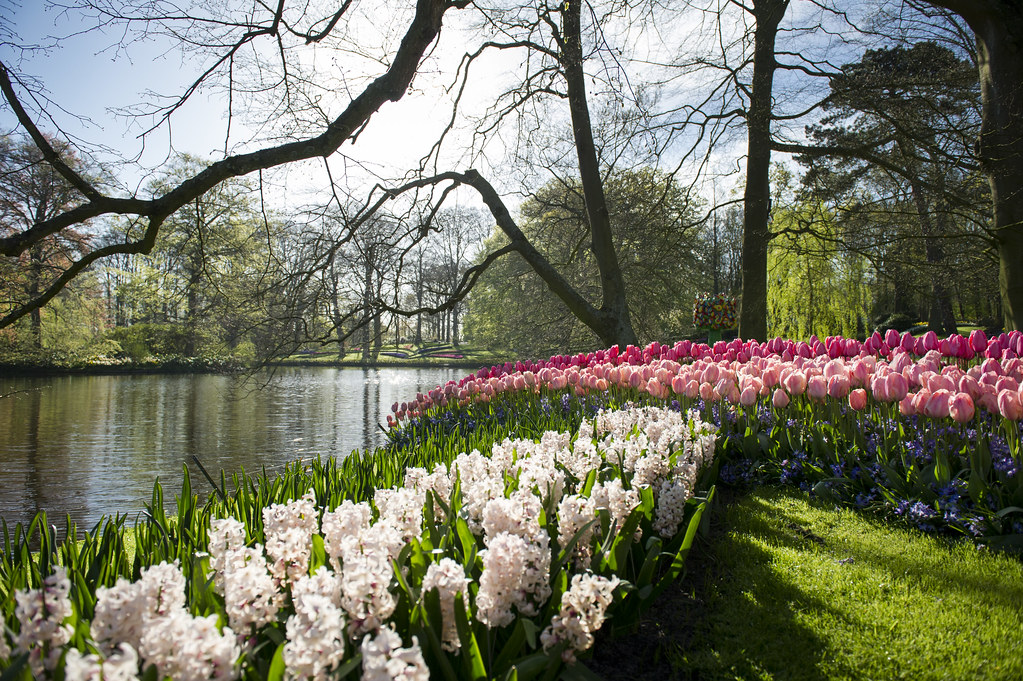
[
  {"x": 924, "y": 428},
  {"x": 472, "y": 567}
]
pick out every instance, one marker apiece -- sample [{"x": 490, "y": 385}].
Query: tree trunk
[
  {"x": 757, "y": 197},
  {"x": 998, "y": 25},
  {"x": 615, "y": 323},
  {"x": 367, "y": 300},
  {"x": 35, "y": 255}
]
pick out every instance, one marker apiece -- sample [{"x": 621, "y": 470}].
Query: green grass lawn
[{"x": 789, "y": 588}]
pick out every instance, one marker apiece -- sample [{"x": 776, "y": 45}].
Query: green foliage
[
  {"x": 655, "y": 241},
  {"x": 815, "y": 288}
]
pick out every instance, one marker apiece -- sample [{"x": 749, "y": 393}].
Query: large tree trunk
[
  {"x": 615, "y": 324},
  {"x": 998, "y": 25},
  {"x": 757, "y": 198}
]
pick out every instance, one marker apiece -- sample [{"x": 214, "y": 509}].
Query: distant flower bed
[{"x": 919, "y": 427}]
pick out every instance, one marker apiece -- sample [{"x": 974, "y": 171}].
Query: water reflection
[{"x": 93, "y": 445}]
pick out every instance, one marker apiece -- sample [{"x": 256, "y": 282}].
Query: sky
[{"x": 94, "y": 77}]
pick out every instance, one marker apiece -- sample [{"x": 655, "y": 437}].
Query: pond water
[{"x": 92, "y": 446}]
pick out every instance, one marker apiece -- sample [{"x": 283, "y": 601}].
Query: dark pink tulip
[
  {"x": 891, "y": 338},
  {"x": 858, "y": 399},
  {"x": 994, "y": 349},
  {"x": 978, "y": 340},
  {"x": 930, "y": 341},
  {"x": 908, "y": 342},
  {"x": 961, "y": 408},
  {"x": 945, "y": 348}
]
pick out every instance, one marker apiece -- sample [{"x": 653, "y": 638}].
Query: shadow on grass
[
  {"x": 732, "y": 616},
  {"x": 788, "y": 588}
]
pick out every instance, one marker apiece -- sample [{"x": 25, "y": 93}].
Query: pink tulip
[
  {"x": 858, "y": 399},
  {"x": 838, "y": 386},
  {"x": 988, "y": 402},
  {"x": 898, "y": 387},
  {"x": 961, "y": 408},
  {"x": 938, "y": 404},
  {"x": 816, "y": 388},
  {"x": 930, "y": 341},
  {"x": 748, "y": 397},
  {"x": 891, "y": 338},
  {"x": 1006, "y": 383},
  {"x": 795, "y": 383},
  {"x": 969, "y": 385},
  {"x": 920, "y": 399},
  {"x": 707, "y": 392},
  {"x": 879, "y": 389},
  {"x": 678, "y": 385},
  {"x": 906, "y": 406},
  {"x": 1009, "y": 405},
  {"x": 780, "y": 398},
  {"x": 692, "y": 389}
]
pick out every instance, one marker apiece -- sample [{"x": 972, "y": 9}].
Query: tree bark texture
[
  {"x": 757, "y": 197},
  {"x": 614, "y": 324},
  {"x": 998, "y": 25}
]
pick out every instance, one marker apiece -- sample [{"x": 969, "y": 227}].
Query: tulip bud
[{"x": 780, "y": 399}]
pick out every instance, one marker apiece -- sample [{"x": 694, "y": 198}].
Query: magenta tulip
[{"x": 978, "y": 340}]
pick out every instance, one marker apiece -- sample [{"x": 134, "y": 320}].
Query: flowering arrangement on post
[
  {"x": 486, "y": 566},
  {"x": 715, "y": 312}
]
